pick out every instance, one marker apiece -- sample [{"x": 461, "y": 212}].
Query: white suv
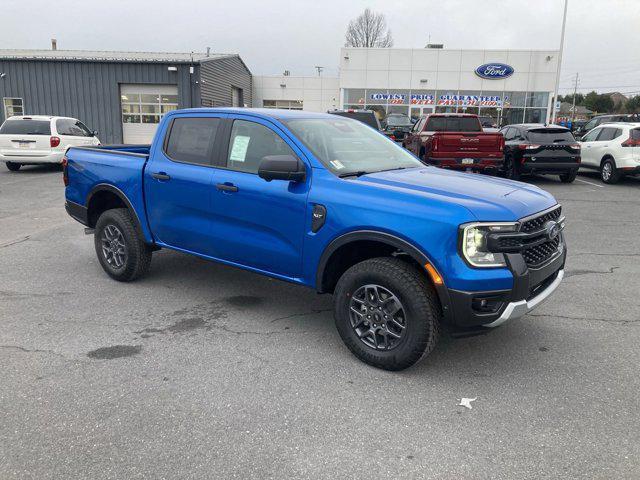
[
  {"x": 614, "y": 149},
  {"x": 35, "y": 139}
]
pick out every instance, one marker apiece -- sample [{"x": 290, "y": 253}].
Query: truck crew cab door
[
  {"x": 178, "y": 182},
  {"x": 256, "y": 223}
]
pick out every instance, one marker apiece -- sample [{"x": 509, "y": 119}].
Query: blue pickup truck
[{"x": 326, "y": 202}]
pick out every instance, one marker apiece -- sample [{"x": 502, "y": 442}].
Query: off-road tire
[
  {"x": 568, "y": 177},
  {"x": 138, "y": 254},
  {"x": 417, "y": 297},
  {"x": 14, "y": 167}
]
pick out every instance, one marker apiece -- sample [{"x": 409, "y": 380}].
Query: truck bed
[{"x": 122, "y": 165}]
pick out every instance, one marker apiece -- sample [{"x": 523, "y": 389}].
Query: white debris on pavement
[{"x": 466, "y": 402}]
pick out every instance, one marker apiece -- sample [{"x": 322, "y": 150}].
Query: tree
[
  {"x": 569, "y": 98},
  {"x": 369, "y": 29},
  {"x": 633, "y": 104},
  {"x": 598, "y": 102}
]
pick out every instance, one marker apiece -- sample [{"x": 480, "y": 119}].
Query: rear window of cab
[{"x": 26, "y": 127}]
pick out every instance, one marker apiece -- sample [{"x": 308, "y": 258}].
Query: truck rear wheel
[
  {"x": 386, "y": 313},
  {"x": 120, "y": 249},
  {"x": 14, "y": 167}
]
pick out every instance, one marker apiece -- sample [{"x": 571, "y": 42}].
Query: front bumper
[
  {"x": 520, "y": 308},
  {"x": 55, "y": 157},
  {"x": 530, "y": 288}
]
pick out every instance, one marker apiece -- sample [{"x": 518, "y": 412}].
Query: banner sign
[
  {"x": 470, "y": 100},
  {"x": 443, "y": 100}
]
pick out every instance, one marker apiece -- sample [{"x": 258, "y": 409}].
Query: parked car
[
  {"x": 397, "y": 126},
  {"x": 600, "y": 119},
  {"x": 38, "y": 139},
  {"x": 330, "y": 204},
  {"x": 368, "y": 117},
  {"x": 488, "y": 122},
  {"x": 457, "y": 141},
  {"x": 540, "y": 149},
  {"x": 613, "y": 149}
]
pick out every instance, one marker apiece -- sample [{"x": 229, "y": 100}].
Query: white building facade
[{"x": 511, "y": 86}]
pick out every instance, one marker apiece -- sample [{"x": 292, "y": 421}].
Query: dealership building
[
  {"x": 512, "y": 86},
  {"x": 122, "y": 95}
]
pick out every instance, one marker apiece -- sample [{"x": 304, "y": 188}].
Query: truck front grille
[
  {"x": 537, "y": 223},
  {"x": 538, "y": 255}
]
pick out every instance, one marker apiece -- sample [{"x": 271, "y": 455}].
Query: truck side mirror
[{"x": 282, "y": 167}]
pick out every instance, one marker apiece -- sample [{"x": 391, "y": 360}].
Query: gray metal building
[{"x": 122, "y": 95}]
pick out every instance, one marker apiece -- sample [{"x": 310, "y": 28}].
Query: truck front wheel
[
  {"x": 386, "y": 313},
  {"x": 120, "y": 249}
]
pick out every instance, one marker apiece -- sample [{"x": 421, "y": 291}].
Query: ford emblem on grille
[{"x": 553, "y": 229}]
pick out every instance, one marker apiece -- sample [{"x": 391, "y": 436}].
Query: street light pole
[{"x": 555, "y": 97}]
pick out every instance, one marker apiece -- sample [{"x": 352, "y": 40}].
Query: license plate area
[{"x": 467, "y": 161}]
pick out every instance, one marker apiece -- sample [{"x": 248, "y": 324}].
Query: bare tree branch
[{"x": 369, "y": 29}]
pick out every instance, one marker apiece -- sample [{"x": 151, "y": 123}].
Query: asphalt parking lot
[{"x": 204, "y": 371}]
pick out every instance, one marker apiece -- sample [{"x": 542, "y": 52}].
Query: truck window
[
  {"x": 453, "y": 124},
  {"x": 26, "y": 127},
  {"x": 191, "y": 140},
  {"x": 250, "y": 142}
]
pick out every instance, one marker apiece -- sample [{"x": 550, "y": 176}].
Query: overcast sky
[{"x": 602, "y": 39}]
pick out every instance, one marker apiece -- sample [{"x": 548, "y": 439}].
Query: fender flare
[
  {"x": 391, "y": 240},
  {"x": 107, "y": 187}
]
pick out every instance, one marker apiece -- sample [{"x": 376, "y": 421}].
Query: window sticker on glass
[
  {"x": 337, "y": 164},
  {"x": 239, "y": 148}
]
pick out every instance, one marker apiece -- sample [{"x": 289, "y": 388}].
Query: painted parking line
[{"x": 590, "y": 183}]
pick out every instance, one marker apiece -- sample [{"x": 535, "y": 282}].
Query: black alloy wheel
[
  {"x": 114, "y": 248},
  {"x": 378, "y": 317}
]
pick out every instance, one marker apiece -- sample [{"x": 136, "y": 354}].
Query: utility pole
[
  {"x": 555, "y": 99},
  {"x": 319, "y": 69},
  {"x": 575, "y": 92}
]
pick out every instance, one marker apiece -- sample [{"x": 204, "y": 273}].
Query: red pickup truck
[{"x": 455, "y": 140}]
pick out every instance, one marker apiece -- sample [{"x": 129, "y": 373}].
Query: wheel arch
[
  {"x": 369, "y": 244},
  {"x": 607, "y": 156},
  {"x": 105, "y": 196}
]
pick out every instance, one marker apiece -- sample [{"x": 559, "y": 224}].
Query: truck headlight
[{"x": 473, "y": 243}]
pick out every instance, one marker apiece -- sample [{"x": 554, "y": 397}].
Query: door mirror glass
[
  {"x": 94, "y": 133},
  {"x": 282, "y": 167}
]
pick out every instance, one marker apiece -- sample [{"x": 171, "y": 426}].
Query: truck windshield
[
  {"x": 550, "y": 135},
  {"x": 25, "y": 127},
  {"x": 347, "y": 146},
  {"x": 453, "y": 124}
]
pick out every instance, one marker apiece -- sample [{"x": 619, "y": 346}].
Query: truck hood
[{"x": 487, "y": 198}]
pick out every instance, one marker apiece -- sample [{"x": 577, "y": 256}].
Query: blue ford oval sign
[{"x": 494, "y": 71}]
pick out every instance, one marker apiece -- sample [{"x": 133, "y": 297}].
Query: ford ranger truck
[
  {"x": 329, "y": 203},
  {"x": 456, "y": 141}
]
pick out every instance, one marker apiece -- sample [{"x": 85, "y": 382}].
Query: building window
[
  {"x": 12, "y": 107},
  {"x": 236, "y": 97},
  {"x": 146, "y": 107},
  {"x": 285, "y": 104}
]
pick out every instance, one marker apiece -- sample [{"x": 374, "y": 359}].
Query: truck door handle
[
  {"x": 226, "y": 187},
  {"x": 161, "y": 176}
]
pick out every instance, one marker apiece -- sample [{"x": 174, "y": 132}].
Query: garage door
[{"x": 142, "y": 109}]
